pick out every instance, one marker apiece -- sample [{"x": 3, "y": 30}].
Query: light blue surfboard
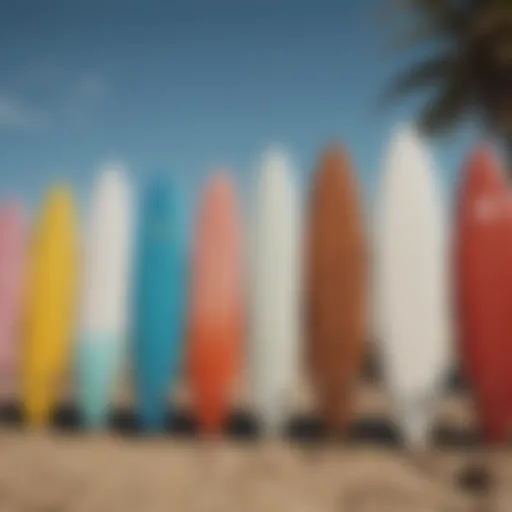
[
  {"x": 105, "y": 291},
  {"x": 160, "y": 298}
]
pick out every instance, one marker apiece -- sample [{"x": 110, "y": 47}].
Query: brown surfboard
[{"x": 335, "y": 287}]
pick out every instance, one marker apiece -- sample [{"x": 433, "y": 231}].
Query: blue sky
[{"x": 184, "y": 86}]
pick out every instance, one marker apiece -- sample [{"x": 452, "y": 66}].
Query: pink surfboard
[
  {"x": 12, "y": 259},
  {"x": 216, "y": 305}
]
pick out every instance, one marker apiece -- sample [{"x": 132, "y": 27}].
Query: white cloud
[
  {"x": 15, "y": 114},
  {"x": 73, "y": 102}
]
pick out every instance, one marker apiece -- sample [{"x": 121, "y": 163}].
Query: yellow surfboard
[{"x": 51, "y": 305}]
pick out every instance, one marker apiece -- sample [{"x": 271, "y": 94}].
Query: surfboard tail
[
  {"x": 495, "y": 428},
  {"x": 97, "y": 365},
  {"x": 335, "y": 411},
  {"x": 271, "y": 406},
  {"x": 39, "y": 401},
  {"x": 415, "y": 418},
  {"x": 153, "y": 416},
  {"x": 212, "y": 414},
  {"x": 7, "y": 361},
  {"x": 495, "y": 420},
  {"x": 152, "y": 400},
  {"x": 210, "y": 384},
  {"x": 273, "y": 424},
  {"x": 158, "y": 365}
]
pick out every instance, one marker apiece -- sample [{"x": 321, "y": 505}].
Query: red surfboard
[
  {"x": 484, "y": 273},
  {"x": 216, "y": 307}
]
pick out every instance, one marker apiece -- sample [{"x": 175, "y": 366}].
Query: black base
[{"x": 243, "y": 426}]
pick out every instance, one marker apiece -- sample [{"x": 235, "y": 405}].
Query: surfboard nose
[
  {"x": 483, "y": 170},
  {"x": 58, "y": 204},
  {"x": 111, "y": 174},
  {"x": 275, "y": 158},
  {"x": 158, "y": 196},
  {"x": 11, "y": 229},
  {"x": 220, "y": 190},
  {"x": 11, "y": 212},
  {"x": 332, "y": 168},
  {"x": 59, "y": 194},
  {"x": 220, "y": 207},
  {"x": 333, "y": 157}
]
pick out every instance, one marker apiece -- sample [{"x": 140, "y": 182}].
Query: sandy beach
[{"x": 55, "y": 472}]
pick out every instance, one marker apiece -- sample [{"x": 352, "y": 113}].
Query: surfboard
[
  {"x": 484, "y": 289},
  {"x": 50, "y": 305},
  {"x": 12, "y": 275},
  {"x": 275, "y": 297},
  {"x": 160, "y": 300},
  {"x": 216, "y": 305},
  {"x": 104, "y": 295},
  {"x": 335, "y": 287},
  {"x": 412, "y": 284}
]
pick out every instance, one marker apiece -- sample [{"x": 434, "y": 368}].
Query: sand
[{"x": 77, "y": 473}]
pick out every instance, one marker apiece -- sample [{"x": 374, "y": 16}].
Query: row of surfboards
[{"x": 299, "y": 291}]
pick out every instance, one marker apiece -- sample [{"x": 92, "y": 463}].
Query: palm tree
[{"x": 470, "y": 72}]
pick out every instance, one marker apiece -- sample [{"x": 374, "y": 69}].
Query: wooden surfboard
[
  {"x": 275, "y": 291},
  {"x": 484, "y": 285},
  {"x": 216, "y": 306},
  {"x": 160, "y": 301},
  {"x": 412, "y": 285},
  {"x": 12, "y": 275},
  {"x": 51, "y": 305},
  {"x": 335, "y": 287},
  {"x": 104, "y": 295}
]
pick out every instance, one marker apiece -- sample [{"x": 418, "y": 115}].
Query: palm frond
[
  {"x": 449, "y": 27},
  {"x": 448, "y": 107},
  {"x": 417, "y": 77},
  {"x": 431, "y": 7},
  {"x": 476, "y": 76},
  {"x": 503, "y": 54},
  {"x": 488, "y": 20},
  {"x": 424, "y": 34}
]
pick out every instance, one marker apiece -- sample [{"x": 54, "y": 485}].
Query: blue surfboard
[{"x": 160, "y": 298}]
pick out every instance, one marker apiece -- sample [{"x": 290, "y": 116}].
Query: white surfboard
[
  {"x": 275, "y": 291},
  {"x": 412, "y": 284},
  {"x": 105, "y": 292}
]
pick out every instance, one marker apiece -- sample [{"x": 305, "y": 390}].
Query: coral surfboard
[
  {"x": 104, "y": 295},
  {"x": 216, "y": 305},
  {"x": 50, "y": 305},
  {"x": 275, "y": 296},
  {"x": 160, "y": 300},
  {"x": 335, "y": 287},
  {"x": 412, "y": 285},
  {"x": 12, "y": 275},
  {"x": 484, "y": 286}
]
